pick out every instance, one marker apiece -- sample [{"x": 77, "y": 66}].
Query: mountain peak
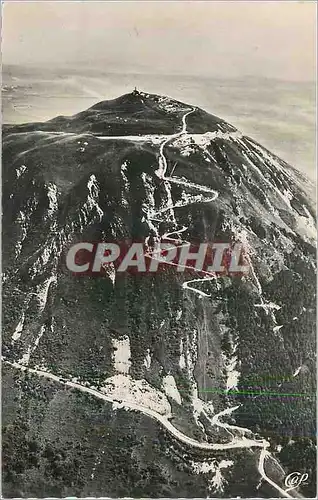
[
  {"x": 175, "y": 344},
  {"x": 134, "y": 113}
]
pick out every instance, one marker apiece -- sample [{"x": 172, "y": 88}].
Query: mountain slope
[{"x": 178, "y": 361}]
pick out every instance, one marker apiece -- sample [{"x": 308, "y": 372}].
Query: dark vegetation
[{"x": 54, "y": 437}]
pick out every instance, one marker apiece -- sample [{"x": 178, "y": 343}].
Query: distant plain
[{"x": 278, "y": 114}]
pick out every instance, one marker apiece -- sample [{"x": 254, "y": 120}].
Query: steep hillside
[{"x": 167, "y": 384}]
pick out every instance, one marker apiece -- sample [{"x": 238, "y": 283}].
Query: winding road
[
  {"x": 155, "y": 215},
  {"x": 237, "y": 442}
]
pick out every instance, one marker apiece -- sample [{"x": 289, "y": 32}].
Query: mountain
[{"x": 143, "y": 385}]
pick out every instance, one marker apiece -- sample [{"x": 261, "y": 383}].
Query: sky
[{"x": 275, "y": 39}]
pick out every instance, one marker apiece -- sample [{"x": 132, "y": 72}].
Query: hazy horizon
[
  {"x": 252, "y": 63},
  {"x": 272, "y": 39}
]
